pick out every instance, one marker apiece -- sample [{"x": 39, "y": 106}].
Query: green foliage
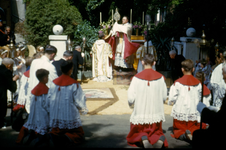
[
  {"x": 93, "y": 4},
  {"x": 91, "y": 34},
  {"x": 85, "y": 29},
  {"x": 42, "y": 15}
]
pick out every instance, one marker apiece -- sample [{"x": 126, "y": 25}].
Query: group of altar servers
[
  {"x": 57, "y": 101},
  {"x": 54, "y": 103},
  {"x": 194, "y": 121}
]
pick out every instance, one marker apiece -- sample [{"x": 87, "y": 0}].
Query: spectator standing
[
  {"x": 42, "y": 63},
  {"x": 10, "y": 35},
  {"x": 176, "y": 64},
  {"x": 77, "y": 60},
  {"x": 8, "y": 82},
  {"x": 68, "y": 55}
]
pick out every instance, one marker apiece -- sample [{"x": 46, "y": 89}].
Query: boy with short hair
[
  {"x": 206, "y": 92},
  {"x": 66, "y": 99},
  {"x": 186, "y": 94},
  {"x": 146, "y": 93},
  {"x": 38, "y": 120}
]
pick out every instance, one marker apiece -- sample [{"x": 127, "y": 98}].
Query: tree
[{"x": 42, "y": 15}]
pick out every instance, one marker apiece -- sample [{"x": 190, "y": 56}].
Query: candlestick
[
  {"x": 130, "y": 15},
  {"x": 100, "y": 17},
  {"x": 143, "y": 19},
  {"x": 112, "y": 13},
  {"x": 158, "y": 15}
]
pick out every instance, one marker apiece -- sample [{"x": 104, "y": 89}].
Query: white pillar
[
  {"x": 190, "y": 48},
  {"x": 60, "y": 42}
]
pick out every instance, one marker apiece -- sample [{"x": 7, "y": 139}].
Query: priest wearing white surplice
[
  {"x": 218, "y": 85},
  {"x": 101, "y": 65},
  {"x": 42, "y": 63},
  {"x": 121, "y": 44}
]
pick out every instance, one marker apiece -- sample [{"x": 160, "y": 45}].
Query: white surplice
[
  {"x": 147, "y": 97},
  {"x": 40, "y": 63},
  {"x": 101, "y": 66},
  {"x": 22, "y": 96},
  {"x": 185, "y": 99},
  {"x": 38, "y": 119},
  {"x": 217, "y": 85},
  {"x": 65, "y": 103}
]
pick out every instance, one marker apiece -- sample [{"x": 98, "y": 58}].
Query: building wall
[
  {"x": 14, "y": 11},
  {"x": 6, "y": 15}
]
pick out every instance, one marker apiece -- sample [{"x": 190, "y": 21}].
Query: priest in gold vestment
[
  {"x": 142, "y": 50},
  {"x": 101, "y": 64}
]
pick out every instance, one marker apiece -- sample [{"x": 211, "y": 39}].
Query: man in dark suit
[
  {"x": 3, "y": 36},
  {"x": 7, "y": 82},
  {"x": 68, "y": 55},
  {"x": 176, "y": 64},
  {"x": 77, "y": 59}
]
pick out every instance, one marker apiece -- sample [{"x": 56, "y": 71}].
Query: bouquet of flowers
[
  {"x": 106, "y": 26},
  {"x": 137, "y": 25}
]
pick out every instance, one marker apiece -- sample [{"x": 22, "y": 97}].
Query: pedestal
[
  {"x": 190, "y": 48},
  {"x": 60, "y": 42}
]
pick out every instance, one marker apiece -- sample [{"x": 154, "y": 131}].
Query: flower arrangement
[
  {"x": 137, "y": 25},
  {"x": 106, "y": 26}
]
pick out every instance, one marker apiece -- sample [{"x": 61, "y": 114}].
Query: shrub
[{"x": 42, "y": 15}]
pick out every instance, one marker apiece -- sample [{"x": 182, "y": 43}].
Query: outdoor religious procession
[{"x": 112, "y": 74}]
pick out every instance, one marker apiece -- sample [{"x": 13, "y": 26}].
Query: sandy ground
[{"x": 119, "y": 107}]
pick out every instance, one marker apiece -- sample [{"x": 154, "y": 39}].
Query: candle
[
  {"x": 143, "y": 19},
  {"x": 100, "y": 17},
  {"x": 112, "y": 14},
  {"x": 130, "y": 15},
  {"x": 158, "y": 15}
]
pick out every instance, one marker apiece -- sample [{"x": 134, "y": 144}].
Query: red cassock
[
  {"x": 179, "y": 127},
  {"x": 152, "y": 131},
  {"x": 130, "y": 47}
]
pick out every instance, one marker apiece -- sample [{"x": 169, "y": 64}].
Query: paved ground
[
  {"x": 108, "y": 128},
  {"x": 101, "y": 131}
]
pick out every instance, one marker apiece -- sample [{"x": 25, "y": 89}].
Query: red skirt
[
  {"x": 22, "y": 134},
  {"x": 179, "y": 127},
  {"x": 152, "y": 131},
  {"x": 76, "y": 135}
]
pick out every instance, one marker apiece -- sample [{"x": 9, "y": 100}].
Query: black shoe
[{"x": 29, "y": 137}]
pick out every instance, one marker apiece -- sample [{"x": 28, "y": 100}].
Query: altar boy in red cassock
[
  {"x": 38, "y": 120},
  {"x": 186, "y": 94},
  {"x": 146, "y": 94},
  {"x": 66, "y": 99}
]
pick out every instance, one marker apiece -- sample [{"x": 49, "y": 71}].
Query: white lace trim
[
  {"x": 186, "y": 117},
  {"x": 40, "y": 129},
  {"x": 147, "y": 119},
  {"x": 120, "y": 62},
  {"x": 102, "y": 79},
  {"x": 65, "y": 124}
]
